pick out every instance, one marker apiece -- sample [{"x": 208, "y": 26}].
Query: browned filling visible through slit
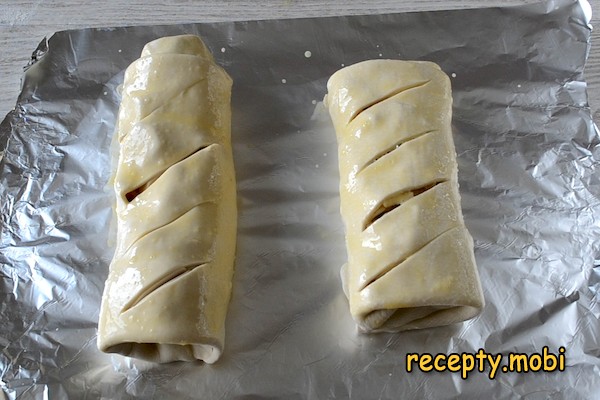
[
  {"x": 158, "y": 284},
  {"x": 395, "y": 200},
  {"x": 132, "y": 194},
  {"x": 139, "y": 190},
  {"x": 387, "y": 96}
]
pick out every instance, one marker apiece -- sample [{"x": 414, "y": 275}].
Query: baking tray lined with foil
[{"x": 528, "y": 158}]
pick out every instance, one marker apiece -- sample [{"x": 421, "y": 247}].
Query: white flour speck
[
  {"x": 283, "y": 80},
  {"x": 314, "y": 102},
  {"x": 222, "y": 49},
  {"x": 307, "y": 54},
  {"x": 343, "y": 65},
  {"x": 519, "y": 85},
  {"x": 105, "y": 93},
  {"x": 324, "y": 154},
  {"x": 380, "y": 55},
  {"x": 120, "y": 50},
  {"x": 454, "y": 74},
  {"x": 316, "y": 165}
]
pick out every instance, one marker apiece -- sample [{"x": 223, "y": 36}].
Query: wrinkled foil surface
[{"x": 528, "y": 155}]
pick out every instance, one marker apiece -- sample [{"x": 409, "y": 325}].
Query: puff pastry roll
[
  {"x": 410, "y": 258},
  {"x": 169, "y": 283}
]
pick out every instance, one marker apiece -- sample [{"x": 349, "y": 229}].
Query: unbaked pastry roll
[
  {"x": 410, "y": 258},
  {"x": 169, "y": 283}
]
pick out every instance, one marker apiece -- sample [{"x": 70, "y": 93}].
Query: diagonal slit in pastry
[
  {"x": 132, "y": 194},
  {"x": 397, "y": 263},
  {"x": 397, "y": 199},
  {"x": 134, "y": 301},
  {"x": 145, "y": 234},
  {"x": 389, "y": 95},
  {"x": 164, "y": 102},
  {"x": 392, "y": 148}
]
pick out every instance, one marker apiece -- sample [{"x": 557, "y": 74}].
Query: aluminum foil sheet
[{"x": 529, "y": 166}]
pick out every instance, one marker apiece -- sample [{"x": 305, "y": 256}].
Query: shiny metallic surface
[{"x": 528, "y": 156}]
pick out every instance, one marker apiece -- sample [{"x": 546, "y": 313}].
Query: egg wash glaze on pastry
[
  {"x": 169, "y": 283},
  {"x": 411, "y": 263}
]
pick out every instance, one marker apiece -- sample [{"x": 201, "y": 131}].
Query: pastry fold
[
  {"x": 169, "y": 283},
  {"x": 411, "y": 262}
]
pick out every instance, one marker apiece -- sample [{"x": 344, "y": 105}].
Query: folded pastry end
[{"x": 411, "y": 263}]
